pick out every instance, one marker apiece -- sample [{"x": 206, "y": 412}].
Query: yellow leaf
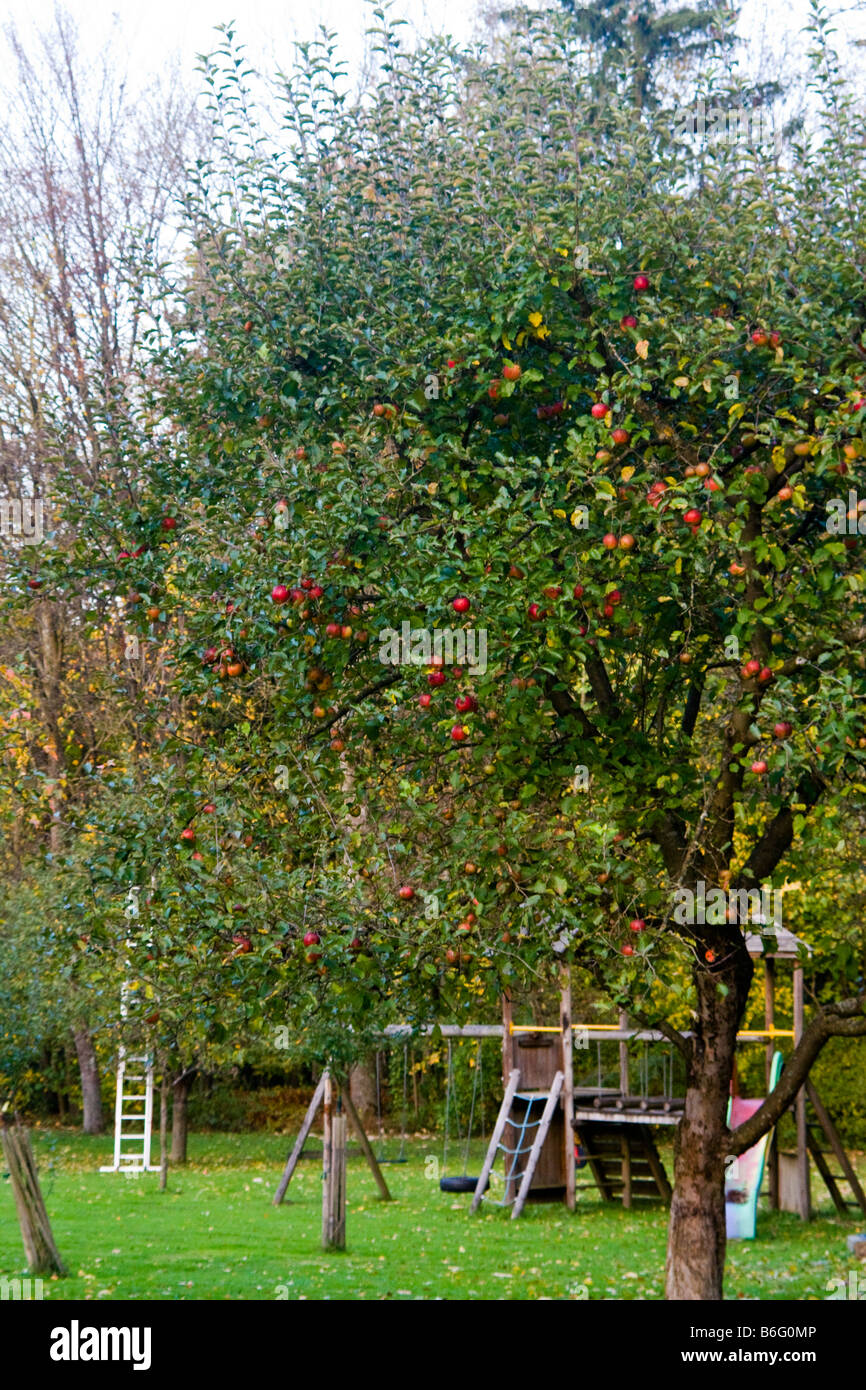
[
  {"x": 678, "y": 567},
  {"x": 681, "y": 381},
  {"x": 535, "y": 319},
  {"x": 562, "y": 250},
  {"x": 642, "y": 348},
  {"x": 506, "y": 343},
  {"x": 560, "y": 514},
  {"x": 627, "y": 472}
]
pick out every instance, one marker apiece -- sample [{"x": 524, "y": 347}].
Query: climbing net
[{"x": 523, "y": 1131}]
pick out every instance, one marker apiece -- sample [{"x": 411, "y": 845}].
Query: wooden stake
[
  {"x": 292, "y": 1160},
  {"x": 366, "y": 1148},
  {"x": 163, "y": 1129},
  {"x": 333, "y": 1174},
  {"x": 42, "y": 1254},
  {"x": 772, "y": 1159}
]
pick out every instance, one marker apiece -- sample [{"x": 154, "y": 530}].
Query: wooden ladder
[
  {"x": 824, "y": 1124},
  {"x": 504, "y": 1117},
  {"x": 624, "y": 1161}
]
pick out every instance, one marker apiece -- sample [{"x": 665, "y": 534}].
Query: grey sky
[{"x": 154, "y": 31}]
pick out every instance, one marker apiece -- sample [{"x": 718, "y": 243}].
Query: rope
[
  {"x": 447, "y": 1110},
  {"x": 471, "y": 1109}
]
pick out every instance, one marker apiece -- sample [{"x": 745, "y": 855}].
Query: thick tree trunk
[
  {"x": 41, "y": 1252},
  {"x": 696, "y": 1233},
  {"x": 179, "y": 1097},
  {"x": 91, "y": 1091},
  {"x": 362, "y": 1089}
]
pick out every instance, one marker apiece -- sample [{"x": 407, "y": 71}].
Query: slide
[{"x": 745, "y": 1175}]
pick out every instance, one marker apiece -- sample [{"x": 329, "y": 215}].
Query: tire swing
[{"x": 461, "y": 1182}]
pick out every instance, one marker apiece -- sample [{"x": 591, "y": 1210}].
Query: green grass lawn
[{"x": 216, "y": 1235}]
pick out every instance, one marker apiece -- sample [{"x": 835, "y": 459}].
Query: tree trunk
[
  {"x": 696, "y": 1232},
  {"x": 91, "y": 1091},
  {"x": 42, "y": 1254},
  {"x": 179, "y": 1097},
  {"x": 362, "y": 1089},
  {"x": 163, "y": 1126}
]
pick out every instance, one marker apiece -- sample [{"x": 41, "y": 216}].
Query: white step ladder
[
  {"x": 133, "y": 1106},
  {"x": 133, "y": 1115}
]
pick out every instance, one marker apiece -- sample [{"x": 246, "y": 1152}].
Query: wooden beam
[
  {"x": 537, "y": 1145},
  {"x": 829, "y": 1181},
  {"x": 804, "y": 1203},
  {"x": 334, "y": 1181},
  {"x": 836, "y": 1145},
  {"x": 567, "y": 1085},
  {"x": 366, "y": 1148},
  {"x": 623, "y": 1055},
  {"x": 507, "y": 1043},
  {"x": 626, "y": 1168},
  {"x": 501, "y": 1121},
  {"x": 306, "y": 1126},
  {"x": 655, "y": 1164}
]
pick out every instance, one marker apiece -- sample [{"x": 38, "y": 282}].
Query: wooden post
[
  {"x": 623, "y": 1055},
  {"x": 803, "y": 1196},
  {"x": 567, "y": 1085},
  {"x": 334, "y": 1180},
  {"x": 292, "y": 1160},
  {"x": 769, "y": 1024},
  {"x": 42, "y": 1254},
  {"x": 365, "y": 1145},
  {"x": 507, "y": 1040},
  {"x": 327, "y": 1101},
  {"x": 626, "y": 1168},
  {"x": 163, "y": 1128}
]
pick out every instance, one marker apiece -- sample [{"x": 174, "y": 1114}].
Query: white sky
[{"x": 154, "y": 31}]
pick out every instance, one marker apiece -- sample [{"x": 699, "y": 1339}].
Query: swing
[
  {"x": 401, "y": 1156},
  {"x": 462, "y": 1182}
]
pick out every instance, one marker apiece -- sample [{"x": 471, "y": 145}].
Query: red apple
[
  {"x": 759, "y": 338},
  {"x": 511, "y": 371},
  {"x": 406, "y": 892},
  {"x": 609, "y": 541},
  {"x": 620, "y": 436},
  {"x": 626, "y": 542},
  {"x": 168, "y": 523},
  {"x": 783, "y": 729},
  {"x": 759, "y": 767},
  {"x": 279, "y": 593},
  {"x": 628, "y": 321},
  {"x": 641, "y": 282},
  {"x": 459, "y": 733},
  {"x": 311, "y": 938},
  {"x": 751, "y": 668},
  {"x": 552, "y": 591},
  {"x": 638, "y": 924},
  {"x": 188, "y": 835},
  {"x": 534, "y": 612},
  {"x": 628, "y": 949},
  {"x": 424, "y": 700},
  {"x": 599, "y": 410},
  {"x": 692, "y": 517},
  {"x": 436, "y": 678},
  {"x": 461, "y": 604},
  {"x": 208, "y": 808},
  {"x": 578, "y": 591},
  {"x": 765, "y": 675},
  {"x": 464, "y": 704}
]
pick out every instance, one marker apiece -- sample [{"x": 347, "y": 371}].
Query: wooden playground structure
[{"x": 549, "y": 1125}]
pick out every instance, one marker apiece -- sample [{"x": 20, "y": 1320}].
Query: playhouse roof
[{"x": 777, "y": 942}]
